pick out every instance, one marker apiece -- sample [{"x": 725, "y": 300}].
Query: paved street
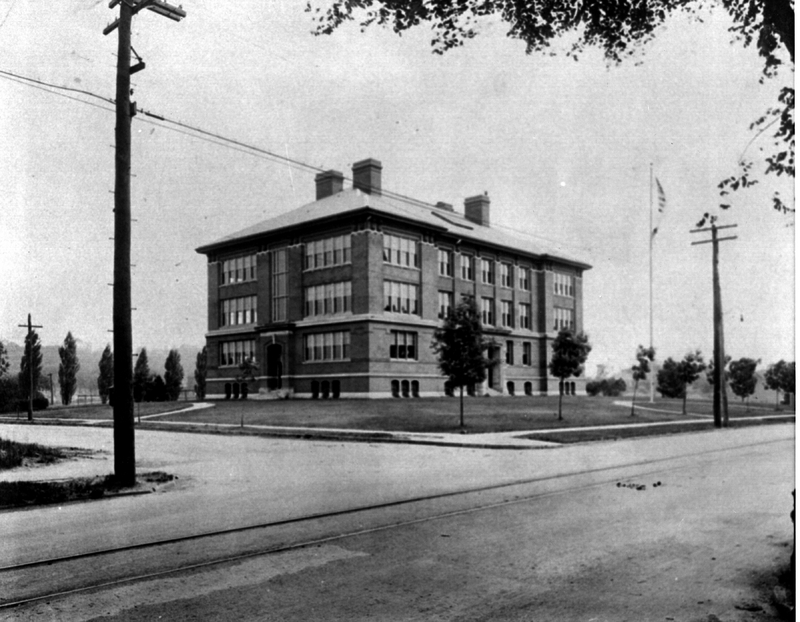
[{"x": 565, "y": 542}]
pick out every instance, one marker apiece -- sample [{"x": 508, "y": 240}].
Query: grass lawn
[
  {"x": 481, "y": 414},
  {"x": 99, "y": 411},
  {"x": 13, "y": 454}
]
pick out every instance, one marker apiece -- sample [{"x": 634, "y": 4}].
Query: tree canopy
[
  {"x": 780, "y": 377},
  {"x": 34, "y": 346},
  {"x": 105, "y": 379},
  {"x": 570, "y": 351},
  {"x": 173, "y": 375},
  {"x": 459, "y": 346},
  {"x": 644, "y": 356},
  {"x": 620, "y": 28},
  {"x": 3, "y": 360},
  {"x": 674, "y": 377},
  {"x": 68, "y": 369},
  {"x": 200, "y": 370},
  {"x": 141, "y": 375},
  {"x": 742, "y": 377}
]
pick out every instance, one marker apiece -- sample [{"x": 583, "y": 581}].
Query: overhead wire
[{"x": 224, "y": 141}]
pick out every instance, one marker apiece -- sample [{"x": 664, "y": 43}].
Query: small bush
[
  {"x": 40, "y": 402},
  {"x": 611, "y": 387}
]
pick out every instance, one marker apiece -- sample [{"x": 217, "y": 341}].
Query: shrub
[{"x": 607, "y": 386}]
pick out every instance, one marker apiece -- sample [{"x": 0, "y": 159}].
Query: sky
[{"x": 563, "y": 148}]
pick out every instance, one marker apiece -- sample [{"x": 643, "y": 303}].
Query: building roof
[{"x": 354, "y": 200}]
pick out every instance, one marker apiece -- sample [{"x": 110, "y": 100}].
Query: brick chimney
[
  {"x": 367, "y": 176},
  {"x": 476, "y": 209},
  {"x": 328, "y": 183}
]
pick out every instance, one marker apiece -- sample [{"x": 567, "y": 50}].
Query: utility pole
[
  {"x": 29, "y": 353},
  {"x": 124, "y": 444},
  {"x": 720, "y": 397}
]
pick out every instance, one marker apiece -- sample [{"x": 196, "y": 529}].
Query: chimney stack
[
  {"x": 328, "y": 183},
  {"x": 367, "y": 176},
  {"x": 476, "y": 209}
]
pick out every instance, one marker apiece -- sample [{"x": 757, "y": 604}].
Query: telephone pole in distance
[{"x": 29, "y": 352}]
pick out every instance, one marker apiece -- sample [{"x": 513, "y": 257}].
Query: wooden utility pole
[
  {"x": 124, "y": 445},
  {"x": 720, "y": 397},
  {"x": 29, "y": 354}
]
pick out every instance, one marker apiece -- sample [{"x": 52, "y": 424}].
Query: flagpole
[{"x": 652, "y": 386}]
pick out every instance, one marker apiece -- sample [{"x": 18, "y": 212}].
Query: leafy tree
[
  {"x": 68, "y": 369},
  {"x": 141, "y": 376},
  {"x": 620, "y": 28},
  {"x": 10, "y": 395},
  {"x": 459, "y": 346},
  {"x": 3, "y": 360},
  {"x": 644, "y": 356},
  {"x": 675, "y": 377},
  {"x": 33, "y": 347},
  {"x": 247, "y": 371},
  {"x": 200, "y": 371},
  {"x": 105, "y": 379},
  {"x": 780, "y": 377},
  {"x": 773, "y": 379},
  {"x": 569, "y": 354},
  {"x": 173, "y": 375},
  {"x": 742, "y": 377}
]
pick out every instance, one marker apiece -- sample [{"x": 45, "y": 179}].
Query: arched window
[
  {"x": 561, "y": 387},
  {"x": 572, "y": 388},
  {"x": 227, "y": 390},
  {"x": 326, "y": 389},
  {"x": 415, "y": 388},
  {"x": 314, "y": 389},
  {"x": 510, "y": 387},
  {"x": 406, "y": 388},
  {"x": 235, "y": 388},
  {"x": 335, "y": 389},
  {"x": 395, "y": 388},
  {"x": 528, "y": 388}
]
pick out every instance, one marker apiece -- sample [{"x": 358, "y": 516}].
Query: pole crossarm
[
  {"x": 175, "y": 13},
  {"x": 730, "y": 237},
  {"x": 713, "y": 228}
]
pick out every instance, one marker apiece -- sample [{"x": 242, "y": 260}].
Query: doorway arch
[{"x": 274, "y": 358}]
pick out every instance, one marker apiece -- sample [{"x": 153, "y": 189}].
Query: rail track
[{"x": 660, "y": 466}]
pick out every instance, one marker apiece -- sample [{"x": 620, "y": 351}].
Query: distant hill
[{"x": 89, "y": 359}]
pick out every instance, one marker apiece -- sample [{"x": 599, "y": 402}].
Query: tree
[
  {"x": 620, "y": 28},
  {"x": 247, "y": 371},
  {"x": 68, "y": 369},
  {"x": 33, "y": 347},
  {"x": 742, "y": 377},
  {"x": 200, "y": 370},
  {"x": 105, "y": 379},
  {"x": 459, "y": 346},
  {"x": 610, "y": 387},
  {"x": 569, "y": 354},
  {"x": 780, "y": 377},
  {"x": 173, "y": 375},
  {"x": 675, "y": 377},
  {"x": 3, "y": 360},
  {"x": 644, "y": 356},
  {"x": 141, "y": 376},
  {"x": 155, "y": 389}
]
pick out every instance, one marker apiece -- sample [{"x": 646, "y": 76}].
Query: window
[
  {"x": 506, "y": 313},
  {"x": 524, "y": 315},
  {"x": 445, "y": 262},
  {"x": 400, "y": 251},
  {"x": 333, "y": 251},
  {"x": 466, "y": 268},
  {"x": 445, "y": 304},
  {"x": 401, "y": 297},
  {"x": 563, "y": 285},
  {"x": 234, "y": 311},
  {"x": 505, "y": 275},
  {"x": 235, "y": 352},
  {"x": 487, "y": 271},
  {"x": 328, "y": 299},
  {"x": 526, "y": 353},
  {"x": 509, "y": 352},
  {"x": 487, "y": 310},
  {"x": 279, "y": 293},
  {"x": 330, "y": 346},
  {"x": 563, "y": 318},
  {"x": 238, "y": 270},
  {"x": 524, "y": 278},
  {"x": 403, "y": 345}
]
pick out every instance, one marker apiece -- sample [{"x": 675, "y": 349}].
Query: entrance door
[
  {"x": 491, "y": 372},
  {"x": 274, "y": 365}
]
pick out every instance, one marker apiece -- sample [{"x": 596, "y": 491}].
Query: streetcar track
[{"x": 348, "y": 534}]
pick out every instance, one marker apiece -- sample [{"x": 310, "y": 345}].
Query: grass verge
[
  {"x": 23, "y": 494},
  {"x": 13, "y": 454}
]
